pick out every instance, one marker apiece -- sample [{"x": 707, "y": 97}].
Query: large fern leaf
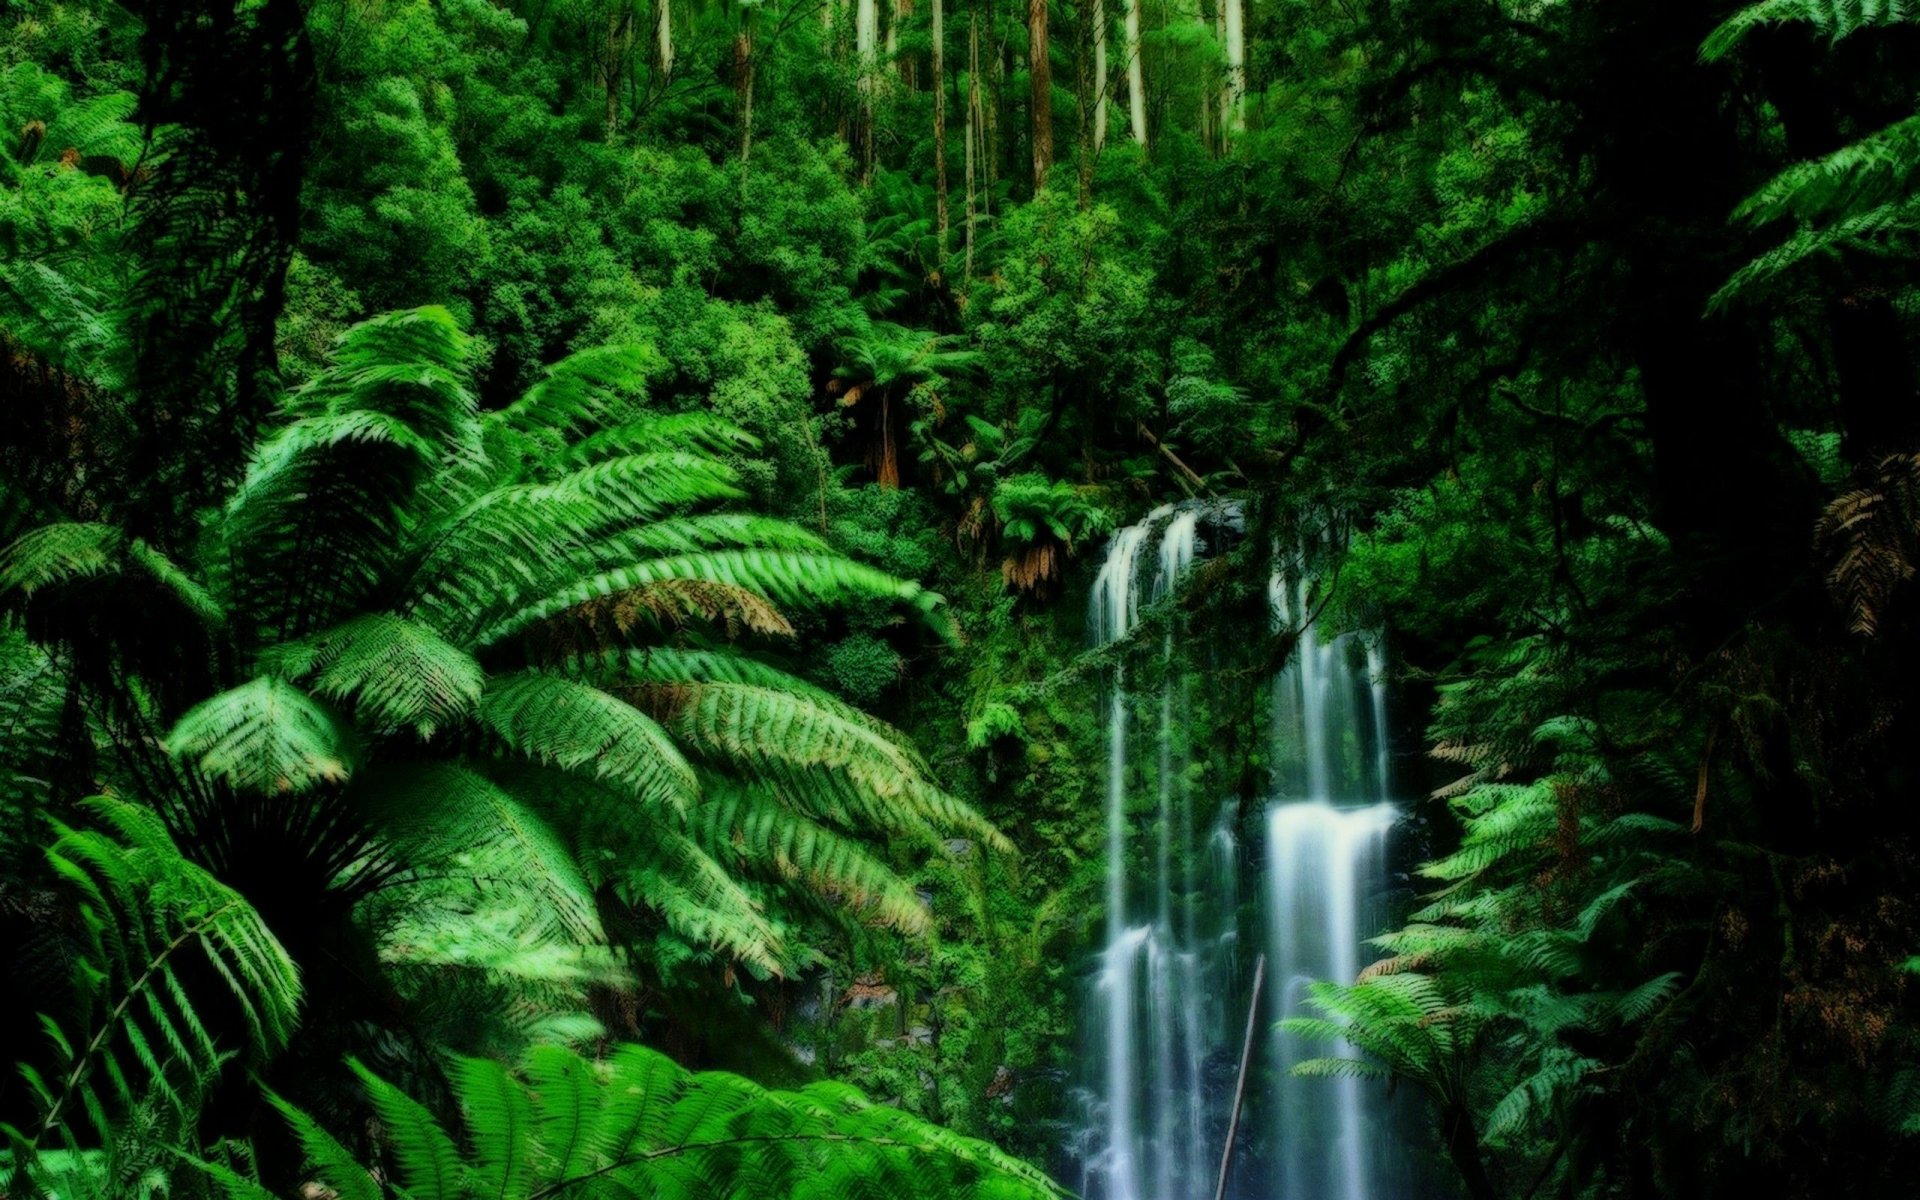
[
  {"x": 638, "y": 1124},
  {"x": 265, "y": 736},
  {"x": 398, "y": 673},
  {"x": 1832, "y": 19},
  {"x": 785, "y": 577},
  {"x": 146, "y": 910}
]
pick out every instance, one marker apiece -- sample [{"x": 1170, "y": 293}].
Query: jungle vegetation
[{"x": 543, "y": 548}]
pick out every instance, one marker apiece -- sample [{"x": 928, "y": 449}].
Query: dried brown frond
[
  {"x": 1872, "y": 533},
  {"x": 675, "y": 602},
  {"x": 1395, "y": 965},
  {"x": 1033, "y": 568}
]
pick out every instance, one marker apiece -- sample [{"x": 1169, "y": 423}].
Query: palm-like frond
[
  {"x": 146, "y": 910},
  {"x": 638, "y": 1124},
  {"x": 749, "y": 825},
  {"x": 266, "y": 736},
  {"x": 563, "y": 723},
  {"x": 786, "y": 577},
  {"x": 1831, "y": 19},
  {"x": 397, "y": 673}
]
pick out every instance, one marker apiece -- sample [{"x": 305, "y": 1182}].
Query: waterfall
[{"x": 1168, "y": 996}]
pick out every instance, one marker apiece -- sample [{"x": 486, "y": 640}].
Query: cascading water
[{"x": 1169, "y": 994}]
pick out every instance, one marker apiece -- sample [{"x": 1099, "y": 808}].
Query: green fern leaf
[{"x": 265, "y": 736}]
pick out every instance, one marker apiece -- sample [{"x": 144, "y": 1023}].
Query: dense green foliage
[{"x": 475, "y": 468}]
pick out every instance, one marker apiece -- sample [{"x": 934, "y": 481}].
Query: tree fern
[{"x": 478, "y": 673}]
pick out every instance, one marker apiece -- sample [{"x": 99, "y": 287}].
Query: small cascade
[{"x": 1168, "y": 999}]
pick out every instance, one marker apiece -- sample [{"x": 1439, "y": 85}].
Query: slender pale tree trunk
[
  {"x": 866, "y": 39},
  {"x": 743, "y": 66},
  {"x": 1233, "y": 100},
  {"x": 663, "y": 36},
  {"x": 939, "y": 68},
  {"x": 1136, "y": 74},
  {"x": 1101, "y": 79},
  {"x": 1040, "y": 70},
  {"x": 973, "y": 126},
  {"x": 619, "y": 40},
  {"x": 895, "y": 19}
]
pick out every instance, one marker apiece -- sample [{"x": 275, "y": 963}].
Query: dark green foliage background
[{"x": 1594, "y": 320}]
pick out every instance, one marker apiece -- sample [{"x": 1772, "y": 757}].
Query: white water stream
[{"x": 1169, "y": 999}]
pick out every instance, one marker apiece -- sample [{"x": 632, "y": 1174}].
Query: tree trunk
[
  {"x": 1101, "y": 80},
  {"x": 866, "y": 37},
  {"x": 973, "y": 127},
  {"x": 663, "y": 36},
  {"x": 1040, "y": 69},
  {"x": 743, "y": 67},
  {"x": 1136, "y": 74},
  {"x": 619, "y": 39},
  {"x": 939, "y": 65},
  {"x": 1463, "y": 1147},
  {"x": 1233, "y": 100}
]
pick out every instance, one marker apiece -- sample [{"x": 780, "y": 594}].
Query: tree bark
[
  {"x": 938, "y": 66},
  {"x": 1463, "y": 1147},
  {"x": 1136, "y": 74},
  {"x": 866, "y": 37},
  {"x": 1101, "y": 79},
  {"x": 743, "y": 66},
  {"x": 1233, "y": 99},
  {"x": 1040, "y": 70},
  {"x": 973, "y": 126},
  {"x": 663, "y": 36}
]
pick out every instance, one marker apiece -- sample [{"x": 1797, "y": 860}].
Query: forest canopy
[{"x": 547, "y": 546}]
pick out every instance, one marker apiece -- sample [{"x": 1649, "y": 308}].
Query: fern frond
[
  {"x": 694, "y": 432},
  {"x": 638, "y": 1124},
  {"x": 145, "y": 909},
  {"x": 654, "y": 866},
  {"x": 473, "y": 846},
  {"x": 670, "y": 666},
  {"x": 397, "y": 672},
  {"x": 265, "y": 736},
  {"x": 785, "y": 577},
  {"x": 1340, "y": 1068},
  {"x": 571, "y": 725},
  {"x": 430, "y": 1166},
  {"x": 56, "y": 554},
  {"x": 789, "y": 738},
  {"x": 1858, "y": 177},
  {"x": 1869, "y": 534},
  {"x": 1560, "y": 1072},
  {"x": 1890, "y": 230},
  {"x": 1831, "y": 19},
  {"x": 766, "y": 834},
  {"x": 586, "y": 390},
  {"x": 499, "y": 1118}
]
